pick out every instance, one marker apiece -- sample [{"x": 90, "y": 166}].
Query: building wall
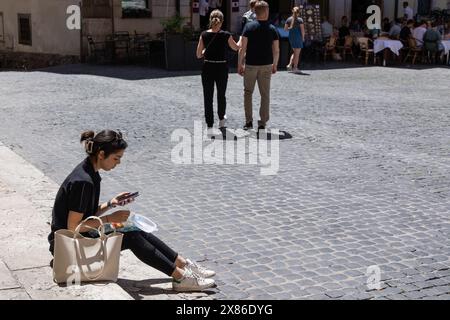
[
  {"x": 48, "y": 27},
  {"x": 161, "y": 10},
  {"x": 390, "y": 6}
]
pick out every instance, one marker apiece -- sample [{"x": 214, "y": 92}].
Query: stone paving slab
[
  {"x": 364, "y": 181},
  {"x": 14, "y": 294},
  {"x": 7, "y": 280}
]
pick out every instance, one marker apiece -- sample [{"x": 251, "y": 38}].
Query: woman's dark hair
[{"x": 107, "y": 141}]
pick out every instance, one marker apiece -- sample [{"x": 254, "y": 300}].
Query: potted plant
[
  {"x": 190, "y": 49},
  {"x": 174, "y": 42}
]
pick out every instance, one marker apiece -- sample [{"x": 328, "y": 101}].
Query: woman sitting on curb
[{"x": 78, "y": 199}]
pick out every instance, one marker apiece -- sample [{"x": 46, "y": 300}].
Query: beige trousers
[{"x": 262, "y": 75}]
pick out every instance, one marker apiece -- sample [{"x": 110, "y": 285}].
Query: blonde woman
[
  {"x": 212, "y": 46},
  {"x": 296, "y": 28}
]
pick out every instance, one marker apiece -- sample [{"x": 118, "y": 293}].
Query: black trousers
[
  {"x": 150, "y": 250},
  {"x": 214, "y": 74}
]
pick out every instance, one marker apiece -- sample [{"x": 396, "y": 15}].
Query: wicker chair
[
  {"x": 413, "y": 51},
  {"x": 365, "y": 45},
  {"x": 347, "y": 48},
  {"x": 329, "y": 48}
]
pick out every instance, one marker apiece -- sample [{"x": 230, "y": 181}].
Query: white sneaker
[
  {"x": 199, "y": 270},
  {"x": 289, "y": 67},
  {"x": 192, "y": 282},
  {"x": 222, "y": 123},
  {"x": 212, "y": 132}
]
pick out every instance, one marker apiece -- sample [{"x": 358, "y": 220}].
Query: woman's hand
[
  {"x": 118, "y": 216},
  {"x": 200, "y": 48},
  {"x": 117, "y": 202}
]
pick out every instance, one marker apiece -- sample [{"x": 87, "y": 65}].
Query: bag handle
[
  {"x": 100, "y": 229},
  {"x": 103, "y": 239},
  {"x": 102, "y": 270}
]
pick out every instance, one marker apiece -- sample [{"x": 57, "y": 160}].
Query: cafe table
[{"x": 383, "y": 44}]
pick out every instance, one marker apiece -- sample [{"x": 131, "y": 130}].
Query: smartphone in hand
[{"x": 128, "y": 196}]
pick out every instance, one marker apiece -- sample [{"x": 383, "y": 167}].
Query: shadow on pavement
[
  {"x": 136, "y": 72},
  {"x": 138, "y": 290},
  {"x": 124, "y": 72}
]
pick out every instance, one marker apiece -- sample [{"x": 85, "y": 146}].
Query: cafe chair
[
  {"x": 347, "y": 48},
  {"x": 413, "y": 51},
  {"x": 97, "y": 49},
  {"x": 329, "y": 48},
  {"x": 366, "y": 48}
]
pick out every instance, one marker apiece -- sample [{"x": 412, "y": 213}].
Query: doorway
[
  {"x": 225, "y": 7},
  {"x": 424, "y": 7}
]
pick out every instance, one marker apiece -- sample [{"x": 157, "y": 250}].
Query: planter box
[
  {"x": 174, "y": 51},
  {"x": 190, "y": 56},
  {"x": 157, "y": 54}
]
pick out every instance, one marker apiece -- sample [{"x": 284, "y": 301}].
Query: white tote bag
[{"x": 78, "y": 259}]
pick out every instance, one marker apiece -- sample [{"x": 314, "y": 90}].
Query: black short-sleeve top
[
  {"x": 80, "y": 192},
  {"x": 216, "y": 45},
  {"x": 261, "y": 35}
]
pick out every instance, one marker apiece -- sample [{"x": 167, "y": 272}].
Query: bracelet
[{"x": 110, "y": 205}]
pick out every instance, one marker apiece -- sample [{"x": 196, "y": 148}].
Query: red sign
[
  {"x": 235, "y": 6},
  {"x": 195, "y": 6}
]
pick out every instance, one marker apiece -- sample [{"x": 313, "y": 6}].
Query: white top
[
  {"x": 418, "y": 34},
  {"x": 327, "y": 29},
  {"x": 446, "y": 45},
  {"x": 409, "y": 13},
  {"x": 203, "y": 8},
  {"x": 393, "y": 45}
]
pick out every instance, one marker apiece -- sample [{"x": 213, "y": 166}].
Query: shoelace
[
  {"x": 195, "y": 276},
  {"x": 200, "y": 268}
]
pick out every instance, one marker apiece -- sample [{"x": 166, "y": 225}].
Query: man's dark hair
[{"x": 405, "y": 4}]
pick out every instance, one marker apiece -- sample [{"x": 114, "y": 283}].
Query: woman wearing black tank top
[{"x": 212, "y": 46}]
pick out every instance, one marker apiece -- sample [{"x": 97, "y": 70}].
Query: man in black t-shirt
[
  {"x": 258, "y": 60},
  {"x": 406, "y": 33}
]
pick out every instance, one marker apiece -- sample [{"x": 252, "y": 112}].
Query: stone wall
[
  {"x": 29, "y": 61},
  {"x": 49, "y": 31}
]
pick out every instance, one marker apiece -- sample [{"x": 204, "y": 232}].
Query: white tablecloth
[
  {"x": 393, "y": 45},
  {"x": 446, "y": 44}
]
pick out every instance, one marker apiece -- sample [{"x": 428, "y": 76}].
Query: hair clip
[
  {"x": 119, "y": 135},
  {"x": 89, "y": 146}
]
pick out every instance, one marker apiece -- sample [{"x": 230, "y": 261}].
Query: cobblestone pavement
[{"x": 364, "y": 182}]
